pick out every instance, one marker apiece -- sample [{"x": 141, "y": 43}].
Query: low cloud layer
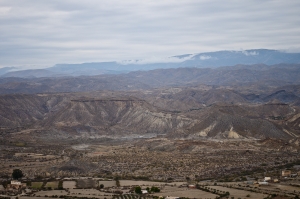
[
  {"x": 42, "y": 33},
  {"x": 151, "y": 60}
]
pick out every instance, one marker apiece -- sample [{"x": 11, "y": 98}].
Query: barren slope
[
  {"x": 19, "y": 110},
  {"x": 115, "y": 116},
  {"x": 200, "y": 113}
]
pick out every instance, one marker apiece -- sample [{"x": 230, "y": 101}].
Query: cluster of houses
[
  {"x": 285, "y": 174},
  {"x": 288, "y": 173},
  {"x": 15, "y": 188}
]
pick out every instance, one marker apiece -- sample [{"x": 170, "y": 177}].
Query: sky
[{"x": 39, "y": 34}]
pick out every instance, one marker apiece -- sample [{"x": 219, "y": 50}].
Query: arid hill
[
  {"x": 201, "y": 112},
  {"x": 115, "y": 117}
]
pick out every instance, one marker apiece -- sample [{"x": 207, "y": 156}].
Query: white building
[
  {"x": 267, "y": 179},
  {"x": 15, "y": 182},
  {"x": 263, "y": 183}
]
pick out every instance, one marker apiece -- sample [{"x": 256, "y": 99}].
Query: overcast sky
[{"x": 36, "y": 34}]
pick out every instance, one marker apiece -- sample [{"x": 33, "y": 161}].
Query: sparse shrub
[{"x": 155, "y": 189}]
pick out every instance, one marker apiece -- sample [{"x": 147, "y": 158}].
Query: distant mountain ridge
[
  {"x": 6, "y": 70},
  {"x": 262, "y": 76},
  {"x": 32, "y": 73},
  {"x": 200, "y": 60}
]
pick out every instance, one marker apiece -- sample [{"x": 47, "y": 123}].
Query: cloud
[
  {"x": 150, "y": 60},
  {"x": 250, "y": 53},
  {"x": 43, "y": 33},
  {"x": 4, "y": 11},
  {"x": 205, "y": 57}
]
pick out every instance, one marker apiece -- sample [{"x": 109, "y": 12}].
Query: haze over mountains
[
  {"x": 201, "y": 60},
  {"x": 259, "y": 76}
]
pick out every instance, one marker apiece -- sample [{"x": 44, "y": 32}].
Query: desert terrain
[{"x": 69, "y": 142}]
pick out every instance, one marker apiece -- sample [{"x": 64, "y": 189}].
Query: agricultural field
[
  {"x": 141, "y": 183},
  {"x": 36, "y": 185},
  {"x": 240, "y": 193},
  {"x": 185, "y": 192},
  {"x": 89, "y": 193},
  {"x": 86, "y": 183},
  {"x": 130, "y": 196},
  {"x": 287, "y": 187},
  {"x": 51, "y": 193},
  {"x": 30, "y": 197},
  {"x": 108, "y": 183},
  {"x": 52, "y": 185}
]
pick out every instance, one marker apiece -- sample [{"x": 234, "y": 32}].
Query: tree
[
  {"x": 17, "y": 173},
  {"x": 101, "y": 186},
  {"x": 155, "y": 189},
  {"x": 138, "y": 190},
  {"x": 117, "y": 181},
  {"x": 187, "y": 179}
]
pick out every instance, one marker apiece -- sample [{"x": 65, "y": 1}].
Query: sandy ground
[
  {"x": 100, "y": 197},
  {"x": 282, "y": 188},
  {"x": 89, "y": 193},
  {"x": 74, "y": 192},
  {"x": 29, "y": 197},
  {"x": 80, "y": 147},
  {"x": 185, "y": 192},
  {"x": 147, "y": 183},
  {"x": 108, "y": 183},
  {"x": 69, "y": 184},
  {"x": 84, "y": 191},
  {"x": 287, "y": 187},
  {"x": 240, "y": 193},
  {"x": 51, "y": 192}
]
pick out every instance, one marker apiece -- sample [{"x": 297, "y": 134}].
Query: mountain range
[
  {"x": 260, "y": 76},
  {"x": 199, "y": 60}
]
